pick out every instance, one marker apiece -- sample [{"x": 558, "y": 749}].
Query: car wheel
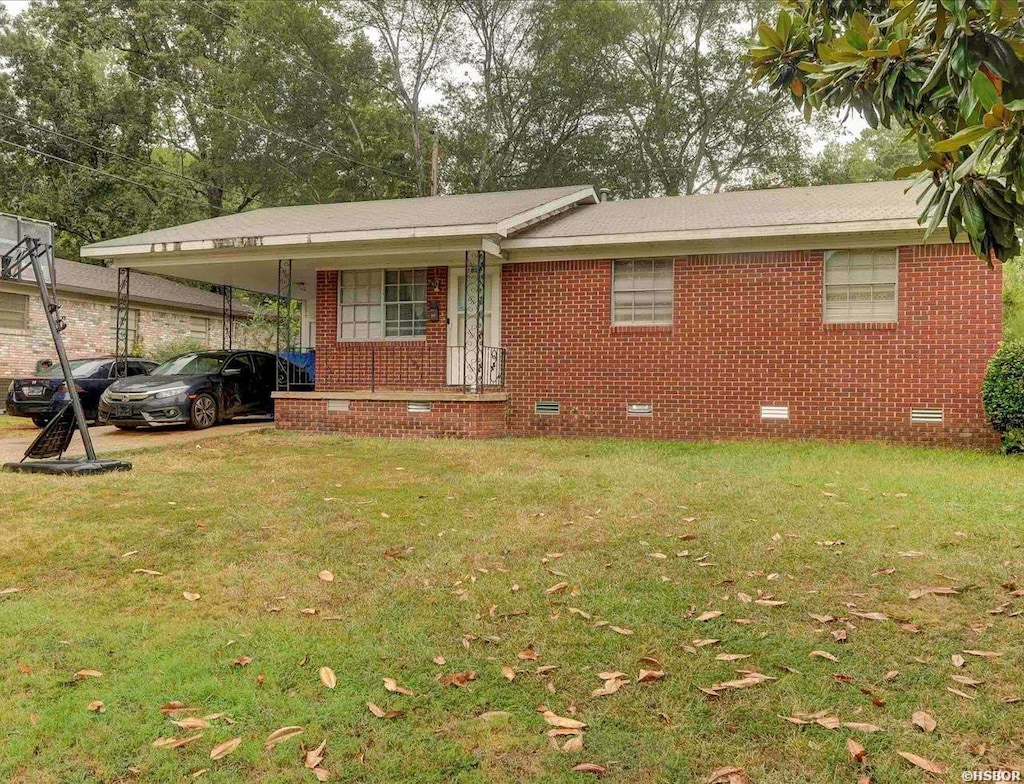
[
  {"x": 204, "y": 412},
  {"x": 39, "y": 421}
]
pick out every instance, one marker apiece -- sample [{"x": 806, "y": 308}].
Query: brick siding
[
  {"x": 392, "y": 419},
  {"x": 747, "y": 331}
]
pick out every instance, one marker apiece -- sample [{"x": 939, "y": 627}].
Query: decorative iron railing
[{"x": 414, "y": 365}]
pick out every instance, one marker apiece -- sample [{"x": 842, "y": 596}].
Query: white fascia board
[
  {"x": 521, "y": 220},
  {"x": 713, "y": 234}
]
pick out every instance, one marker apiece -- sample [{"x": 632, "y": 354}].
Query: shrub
[
  {"x": 1003, "y": 394},
  {"x": 175, "y": 348}
]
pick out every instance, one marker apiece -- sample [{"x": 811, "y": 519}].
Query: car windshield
[
  {"x": 80, "y": 368},
  {"x": 189, "y": 365}
]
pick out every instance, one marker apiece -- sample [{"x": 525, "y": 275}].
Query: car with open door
[
  {"x": 42, "y": 396},
  {"x": 199, "y": 389}
]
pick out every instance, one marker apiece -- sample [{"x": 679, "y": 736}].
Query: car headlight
[
  {"x": 105, "y": 397},
  {"x": 170, "y": 392},
  {"x": 10, "y": 389}
]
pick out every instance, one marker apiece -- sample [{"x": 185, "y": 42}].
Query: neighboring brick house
[
  {"x": 162, "y": 312},
  {"x": 809, "y": 312}
]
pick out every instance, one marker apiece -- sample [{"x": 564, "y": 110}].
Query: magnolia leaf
[
  {"x": 921, "y": 762},
  {"x": 392, "y": 685},
  {"x": 961, "y": 139},
  {"x": 561, "y": 721},
  {"x": 326, "y": 575},
  {"x": 225, "y": 748},
  {"x": 328, "y": 678},
  {"x": 923, "y": 720},
  {"x": 283, "y": 734},
  {"x": 574, "y": 744},
  {"x": 857, "y": 752},
  {"x": 590, "y": 767}
]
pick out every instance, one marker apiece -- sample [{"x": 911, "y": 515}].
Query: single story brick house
[
  {"x": 163, "y": 312},
  {"x": 816, "y": 312}
]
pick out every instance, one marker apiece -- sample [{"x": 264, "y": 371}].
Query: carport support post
[
  {"x": 227, "y": 315},
  {"x": 473, "y": 337},
  {"x": 121, "y": 347},
  {"x": 284, "y": 314}
]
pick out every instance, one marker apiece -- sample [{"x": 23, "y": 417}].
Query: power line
[
  {"x": 159, "y": 169},
  {"x": 111, "y": 175},
  {"x": 317, "y": 148}
]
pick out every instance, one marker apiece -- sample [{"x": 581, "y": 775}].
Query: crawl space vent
[
  {"x": 639, "y": 409},
  {"x": 547, "y": 407},
  {"x": 338, "y": 406},
  {"x": 774, "y": 412},
  {"x": 926, "y": 416},
  {"x": 419, "y": 408}
]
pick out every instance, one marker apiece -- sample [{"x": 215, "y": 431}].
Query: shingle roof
[
  {"x": 102, "y": 281},
  {"x": 815, "y": 205},
  {"x": 419, "y": 213}
]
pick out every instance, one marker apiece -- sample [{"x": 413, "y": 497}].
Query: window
[
  {"x": 13, "y": 311},
  {"x": 199, "y": 330},
  {"x": 383, "y": 303},
  {"x": 133, "y": 326},
  {"x": 642, "y": 291},
  {"x": 860, "y": 286}
]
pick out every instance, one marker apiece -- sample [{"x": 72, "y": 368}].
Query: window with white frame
[
  {"x": 13, "y": 311},
  {"x": 860, "y": 286},
  {"x": 377, "y": 304},
  {"x": 134, "y": 316},
  {"x": 199, "y": 330},
  {"x": 642, "y": 291}
]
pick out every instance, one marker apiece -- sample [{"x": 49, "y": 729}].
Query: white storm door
[{"x": 457, "y": 326}]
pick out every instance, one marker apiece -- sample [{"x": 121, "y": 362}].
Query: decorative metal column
[
  {"x": 227, "y": 316},
  {"x": 473, "y": 338},
  {"x": 121, "y": 347},
  {"x": 284, "y": 321}
]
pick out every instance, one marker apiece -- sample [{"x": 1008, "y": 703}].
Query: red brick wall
[
  {"x": 394, "y": 364},
  {"x": 392, "y": 419},
  {"x": 748, "y": 331}
]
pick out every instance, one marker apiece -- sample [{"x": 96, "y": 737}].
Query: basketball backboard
[{"x": 13, "y": 229}]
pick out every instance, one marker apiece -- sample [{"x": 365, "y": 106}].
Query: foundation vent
[
  {"x": 926, "y": 416},
  {"x": 639, "y": 409},
  {"x": 774, "y": 412},
  {"x": 419, "y": 408},
  {"x": 547, "y": 407},
  {"x": 338, "y": 406}
]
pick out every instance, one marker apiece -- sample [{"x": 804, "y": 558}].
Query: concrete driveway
[{"x": 109, "y": 439}]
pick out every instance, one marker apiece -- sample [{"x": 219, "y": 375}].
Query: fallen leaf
[
  {"x": 574, "y": 744},
  {"x": 191, "y": 597},
  {"x": 730, "y": 774},
  {"x": 192, "y": 723},
  {"x": 96, "y": 706},
  {"x": 770, "y": 602},
  {"x": 488, "y": 715},
  {"x": 326, "y": 575},
  {"x": 223, "y": 749},
  {"x": 923, "y": 720},
  {"x": 563, "y": 722},
  {"x": 590, "y": 767},
  {"x": 328, "y": 678},
  {"x": 728, "y": 657},
  {"x": 892, "y": 675},
  {"x": 823, "y": 655},
  {"x": 557, "y": 588},
  {"x": 458, "y": 679},
  {"x": 709, "y": 615},
  {"x": 610, "y": 686},
  {"x": 527, "y": 654},
  {"x": 921, "y": 762},
  {"x": 857, "y": 752},
  {"x": 380, "y": 713},
  {"x": 649, "y": 676},
  {"x": 242, "y": 661},
  {"x": 175, "y": 743},
  {"x": 958, "y": 660},
  {"x": 861, "y": 726},
  {"x": 966, "y": 680},
  {"x": 937, "y": 591},
  {"x": 871, "y": 616},
  {"x": 313, "y": 757},
  {"x": 147, "y": 571},
  {"x": 508, "y": 673},
  {"x": 81, "y": 675},
  {"x": 439, "y": 660},
  {"x": 283, "y": 734},
  {"x": 620, "y": 630},
  {"x": 822, "y": 618},
  {"x": 392, "y": 685},
  {"x": 984, "y": 654}
]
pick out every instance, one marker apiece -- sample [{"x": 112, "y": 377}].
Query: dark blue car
[{"x": 42, "y": 396}]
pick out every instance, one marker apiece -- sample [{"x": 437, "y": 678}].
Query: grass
[
  {"x": 15, "y": 426},
  {"x": 448, "y": 548}
]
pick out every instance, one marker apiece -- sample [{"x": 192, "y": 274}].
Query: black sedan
[
  {"x": 41, "y": 397},
  {"x": 198, "y": 389}
]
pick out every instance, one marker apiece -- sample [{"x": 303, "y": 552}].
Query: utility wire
[
  {"x": 159, "y": 169},
  {"x": 111, "y": 175},
  {"x": 317, "y": 148}
]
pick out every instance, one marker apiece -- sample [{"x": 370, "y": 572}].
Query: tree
[{"x": 951, "y": 72}]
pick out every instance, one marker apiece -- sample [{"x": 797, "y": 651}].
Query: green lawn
[
  {"x": 10, "y": 425},
  {"x": 456, "y": 550}
]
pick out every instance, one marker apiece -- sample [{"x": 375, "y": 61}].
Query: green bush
[
  {"x": 1003, "y": 394},
  {"x": 1013, "y": 300},
  {"x": 175, "y": 348}
]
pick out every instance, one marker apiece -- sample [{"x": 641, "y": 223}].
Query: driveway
[{"x": 109, "y": 439}]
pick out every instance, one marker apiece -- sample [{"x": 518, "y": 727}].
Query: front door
[{"x": 457, "y": 326}]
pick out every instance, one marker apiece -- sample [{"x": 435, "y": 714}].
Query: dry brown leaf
[
  {"x": 392, "y": 685},
  {"x": 148, "y": 571},
  {"x": 174, "y": 707},
  {"x": 984, "y": 654},
  {"x": 612, "y": 675},
  {"x": 649, "y": 676},
  {"x": 861, "y": 726},
  {"x": 81, "y": 675},
  {"x": 770, "y": 602},
  {"x": 380, "y": 713},
  {"x": 556, "y": 588},
  {"x": 621, "y": 630},
  {"x": 822, "y": 618},
  {"x": 508, "y": 673},
  {"x": 590, "y": 767},
  {"x": 574, "y": 744},
  {"x": 728, "y": 657},
  {"x": 923, "y": 720},
  {"x": 921, "y": 762},
  {"x": 709, "y": 615},
  {"x": 892, "y": 675},
  {"x": 223, "y": 749},
  {"x": 488, "y": 715},
  {"x": 328, "y": 678},
  {"x": 966, "y": 680},
  {"x": 191, "y": 597},
  {"x": 857, "y": 752},
  {"x": 871, "y": 616},
  {"x": 958, "y": 660},
  {"x": 96, "y": 706},
  {"x": 730, "y": 774},
  {"x": 937, "y": 591},
  {"x": 326, "y": 575},
  {"x": 313, "y": 757},
  {"x": 175, "y": 743},
  {"x": 321, "y": 774},
  {"x": 959, "y": 693},
  {"x": 283, "y": 734},
  {"x": 527, "y": 654},
  {"x": 439, "y": 660},
  {"x": 459, "y": 679},
  {"x": 242, "y": 661},
  {"x": 823, "y": 655},
  {"x": 192, "y": 723},
  {"x": 562, "y": 721},
  {"x": 609, "y": 687},
  {"x": 703, "y": 643}
]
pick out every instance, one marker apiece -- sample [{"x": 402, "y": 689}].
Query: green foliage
[
  {"x": 175, "y": 348},
  {"x": 951, "y": 73},
  {"x": 1003, "y": 394},
  {"x": 1013, "y": 300}
]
